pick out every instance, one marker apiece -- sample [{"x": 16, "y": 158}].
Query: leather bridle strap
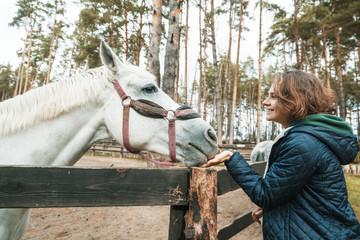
[
  {"x": 125, "y": 128},
  {"x": 154, "y": 111},
  {"x": 172, "y": 139},
  {"x": 126, "y": 117}
]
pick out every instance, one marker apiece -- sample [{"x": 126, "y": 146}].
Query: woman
[{"x": 303, "y": 194}]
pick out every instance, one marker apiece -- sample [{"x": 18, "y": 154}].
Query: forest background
[{"x": 198, "y": 50}]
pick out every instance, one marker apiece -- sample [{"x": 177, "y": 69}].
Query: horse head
[{"x": 195, "y": 139}]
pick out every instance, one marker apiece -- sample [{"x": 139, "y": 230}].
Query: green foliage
[
  {"x": 353, "y": 186},
  {"x": 118, "y": 23},
  {"x": 7, "y": 81},
  {"x": 27, "y": 9},
  {"x": 357, "y": 159}
]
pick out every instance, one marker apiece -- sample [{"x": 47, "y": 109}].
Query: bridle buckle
[
  {"x": 170, "y": 115},
  {"x": 126, "y": 102}
]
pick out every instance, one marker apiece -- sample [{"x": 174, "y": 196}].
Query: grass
[{"x": 353, "y": 186}]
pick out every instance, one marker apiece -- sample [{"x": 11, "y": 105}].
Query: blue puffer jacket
[{"x": 303, "y": 194}]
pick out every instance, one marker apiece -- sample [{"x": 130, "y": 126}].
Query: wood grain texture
[
  {"x": 201, "y": 218},
  {"x": 80, "y": 187}
]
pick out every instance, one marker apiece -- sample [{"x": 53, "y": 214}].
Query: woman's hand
[
  {"x": 219, "y": 158},
  {"x": 256, "y": 214}
]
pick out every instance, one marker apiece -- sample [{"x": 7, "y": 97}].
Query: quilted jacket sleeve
[{"x": 296, "y": 163}]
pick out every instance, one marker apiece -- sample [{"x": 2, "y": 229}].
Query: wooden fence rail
[
  {"x": 186, "y": 191},
  {"x": 112, "y": 147}
]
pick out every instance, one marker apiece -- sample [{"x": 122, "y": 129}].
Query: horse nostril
[{"x": 212, "y": 135}]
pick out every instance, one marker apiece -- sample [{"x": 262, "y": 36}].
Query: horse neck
[
  {"x": 60, "y": 141},
  {"x": 89, "y": 127}
]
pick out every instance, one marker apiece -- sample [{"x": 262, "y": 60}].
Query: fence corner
[{"x": 201, "y": 218}]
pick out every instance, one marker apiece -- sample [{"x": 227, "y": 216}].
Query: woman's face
[{"x": 273, "y": 112}]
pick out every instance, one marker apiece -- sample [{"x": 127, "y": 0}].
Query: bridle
[{"x": 152, "y": 110}]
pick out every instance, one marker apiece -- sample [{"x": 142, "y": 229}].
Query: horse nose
[{"x": 211, "y": 135}]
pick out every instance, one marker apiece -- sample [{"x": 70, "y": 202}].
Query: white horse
[
  {"x": 261, "y": 151},
  {"x": 56, "y": 124}
]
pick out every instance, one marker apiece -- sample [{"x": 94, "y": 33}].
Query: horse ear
[{"x": 109, "y": 58}]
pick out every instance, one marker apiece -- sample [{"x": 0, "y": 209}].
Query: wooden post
[
  {"x": 177, "y": 222},
  {"x": 200, "y": 220}
]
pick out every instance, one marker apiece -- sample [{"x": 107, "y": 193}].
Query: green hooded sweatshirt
[{"x": 324, "y": 120}]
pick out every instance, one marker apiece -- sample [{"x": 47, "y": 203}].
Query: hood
[{"x": 331, "y": 130}]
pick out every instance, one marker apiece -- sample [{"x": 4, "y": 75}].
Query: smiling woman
[
  {"x": 303, "y": 194},
  {"x": 294, "y": 99},
  {"x": 300, "y": 94},
  {"x": 273, "y": 110}
]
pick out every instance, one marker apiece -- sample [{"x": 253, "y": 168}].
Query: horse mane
[{"x": 51, "y": 100}]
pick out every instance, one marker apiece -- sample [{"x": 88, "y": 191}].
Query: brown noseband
[{"x": 152, "y": 110}]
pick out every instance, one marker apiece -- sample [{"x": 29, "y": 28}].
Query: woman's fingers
[
  {"x": 212, "y": 162},
  {"x": 256, "y": 214},
  {"x": 219, "y": 158}
]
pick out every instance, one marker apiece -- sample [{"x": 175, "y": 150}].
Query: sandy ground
[{"x": 107, "y": 223}]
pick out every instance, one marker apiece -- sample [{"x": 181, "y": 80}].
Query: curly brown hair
[{"x": 301, "y": 94}]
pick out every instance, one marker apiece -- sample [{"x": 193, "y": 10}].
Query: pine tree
[
  {"x": 235, "y": 86},
  {"x": 155, "y": 41},
  {"x": 172, "y": 49}
]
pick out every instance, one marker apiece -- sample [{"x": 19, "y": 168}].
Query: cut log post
[{"x": 201, "y": 218}]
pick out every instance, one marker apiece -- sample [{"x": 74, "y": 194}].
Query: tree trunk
[
  {"x": 32, "y": 24},
  {"x": 87, "y": 62},
  {"x": 50, "y": 53},
  {"x": 3, "y": 95},
  {"x": 296, "y": 35},
  {"x": 284, "y": 49},
  {"x": 258, "y": 137},
  {"x": 239, "y": 116},
  {"x": 200, "y": 60},
  {"x": 313, "y": 57},
  {"x": 20, "y": 71},
  {"x": 111, "y": 22},
  {"x": 37, "y": 70},
  {"x": 233, "y": 102},
  {"x": 186, "y": 51},
  {"x": 155, "y": 41},
  {"x": 327, "y": 75},
  {"x": 205, "y": 88},
  {"x": 73, "y": 50},
  {"x": 172, "y": 52},
  {"x": 193, "y": 89},
  {"x": 358, "y": 90},
  {"x": 138, "y": 49},
  {"x": 307, "y": 59},
  {"x": 249, "y": 98},
  {"x": 126, "y": 34},
  {"x": 228, "y": 73},
  {"x": 21, "y": 80},
  {"x": 339, "y": 74},
  {"x": 154, "y": 61},
  {"x": 216, "y": 76}
]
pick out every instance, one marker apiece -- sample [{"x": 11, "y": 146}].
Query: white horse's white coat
[
  {"x": 261, "y": 151},
  {"x": 56, "y": 124}
]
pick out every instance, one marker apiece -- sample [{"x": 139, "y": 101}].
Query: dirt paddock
[{"x": 107, "y": 223}]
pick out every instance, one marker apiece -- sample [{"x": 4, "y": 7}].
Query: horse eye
[{"x": 150, "y": 89}]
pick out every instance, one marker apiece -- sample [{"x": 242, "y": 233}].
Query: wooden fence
[
  {"x": 112, "y": 147},
  {"x": 190, "y": 193}
]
